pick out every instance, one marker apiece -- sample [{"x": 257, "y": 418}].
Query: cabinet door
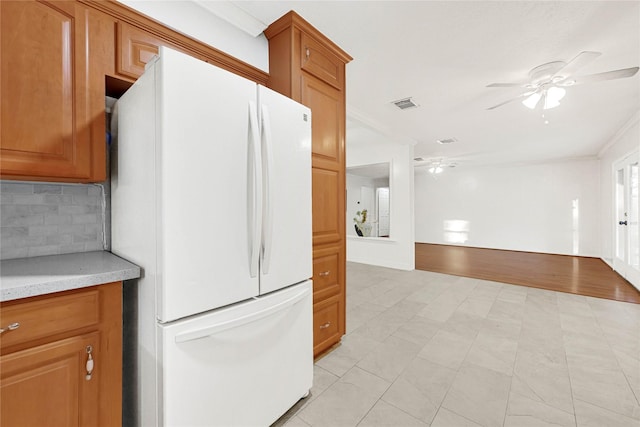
[
  {"x": 45, "y": 104},
  {"x": 327, "y": 108},
  {"x": 134, "y": 48},
  {"x": 327, "y": 188},
  {"x": 46, "y": 385},
  {"x": 327, "y": 126}
]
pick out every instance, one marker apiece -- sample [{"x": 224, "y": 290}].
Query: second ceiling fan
[{"x": 547, "y": 82}]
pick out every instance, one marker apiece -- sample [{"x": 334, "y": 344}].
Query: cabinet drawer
[
  {"x": 326, "y": 273},
  {"x": 320, "y": 62},
  {"x": 326, "y": 324},
  {"x": 46, "y": 317}
]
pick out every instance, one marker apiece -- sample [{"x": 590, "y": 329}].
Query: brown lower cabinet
[
  {"x": 328, "y": 297},
  {"x": 46, "y": 377}
]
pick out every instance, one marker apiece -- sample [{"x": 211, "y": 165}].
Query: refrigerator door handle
[
  {"x": 216, "y": 328},
  {"x": 254, "y": 190},
  {"x": 267, "y": 168}
]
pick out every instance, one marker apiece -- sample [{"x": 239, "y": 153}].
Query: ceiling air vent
[
  {"x": 405, "y": 103},
  {"x": 446, "y": 141}
]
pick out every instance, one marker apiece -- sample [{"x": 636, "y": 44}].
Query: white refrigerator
[{"x": 211, "y": 196}]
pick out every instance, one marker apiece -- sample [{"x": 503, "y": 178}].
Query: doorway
[
  {"x": 626, "y": 260},
  {"x": 382, "y": 210}
]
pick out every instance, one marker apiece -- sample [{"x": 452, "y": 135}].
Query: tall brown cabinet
[{"x": 309, "y": 68}]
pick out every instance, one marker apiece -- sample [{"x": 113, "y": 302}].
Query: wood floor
[{"x": 576, "y": 275}]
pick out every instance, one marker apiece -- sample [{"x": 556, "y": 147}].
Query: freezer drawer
[{"x": 244, "y": 365}]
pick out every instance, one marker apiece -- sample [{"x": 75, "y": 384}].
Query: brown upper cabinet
[
  {"x": 134, "y": 48},
  {"x": 47, "y": 109},
  {"x": 59, "y": 59}
]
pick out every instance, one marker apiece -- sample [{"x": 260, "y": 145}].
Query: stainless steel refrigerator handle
[
  {"x": 267, "y": 168},
  {"x": 243, "y": 320},
  {"x": 254, "y": 142}
]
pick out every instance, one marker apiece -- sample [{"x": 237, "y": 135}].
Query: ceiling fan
[
  {"x": 547, "y": 82},
  {"x": 434, "y": 165}
]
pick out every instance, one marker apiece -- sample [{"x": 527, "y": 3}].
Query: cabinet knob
[
  {"x": 323, "y": 273},
  {"x": 307, "y": 53},
  {"x": 11, "y": 327},
  {"x": 325, "y": 326}
]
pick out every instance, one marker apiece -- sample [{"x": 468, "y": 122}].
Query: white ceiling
[{"x": 445, "y": 53}]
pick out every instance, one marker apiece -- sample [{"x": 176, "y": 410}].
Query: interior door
[
  {"x": 383, "y": 212},
  {"x": 627, "y": 231}
]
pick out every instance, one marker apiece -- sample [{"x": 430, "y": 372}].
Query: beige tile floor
[{"x": 428, "y": 349}]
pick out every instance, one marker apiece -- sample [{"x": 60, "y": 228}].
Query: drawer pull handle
[
  {"x": 307, "y": 53},
  {"x": 11, "y": 327},
  {"x": 325, "y": 326},
  {"x": 323, "y": 273},
  {"x": 89, "y": 365}
]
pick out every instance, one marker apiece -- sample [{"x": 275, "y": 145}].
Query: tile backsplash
[{"x": 46, "y": 219}]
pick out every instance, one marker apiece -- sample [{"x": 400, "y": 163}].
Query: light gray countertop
[{"x": 27, "y": 277}]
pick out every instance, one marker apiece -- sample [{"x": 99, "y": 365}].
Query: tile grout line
[
  {"x": 453, "y": 381},
  {"x": 513, "y": 371},
  {"x": 390, "y": 382},
  {"x": 626, "y": 377},
  {"x": 566, "y": 359},
  {"x": 608, "y": 410}
]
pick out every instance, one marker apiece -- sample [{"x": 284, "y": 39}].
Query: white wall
[
  {"x": 624, "y": 142},
  {"x": 197, "y": 22},
  {"x": 398, "y": 251},
  {"x": 528, "y": 208}
]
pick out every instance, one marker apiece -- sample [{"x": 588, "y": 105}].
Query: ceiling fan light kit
[
  {"x": 437, "y": 166},
  {"x": 547, "y": 82},
  {"x": 532, "y": 100},
  {"x": 434, "y": 166},
  {"x": 551, "y": 96}
]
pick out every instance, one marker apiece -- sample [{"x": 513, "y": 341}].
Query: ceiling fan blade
[
  {"x": 608, "y": 75},
  {"x": 579, "y": 61},
  {"x": 524, "y": 95},
  {"x": 507, "y": 85}
]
